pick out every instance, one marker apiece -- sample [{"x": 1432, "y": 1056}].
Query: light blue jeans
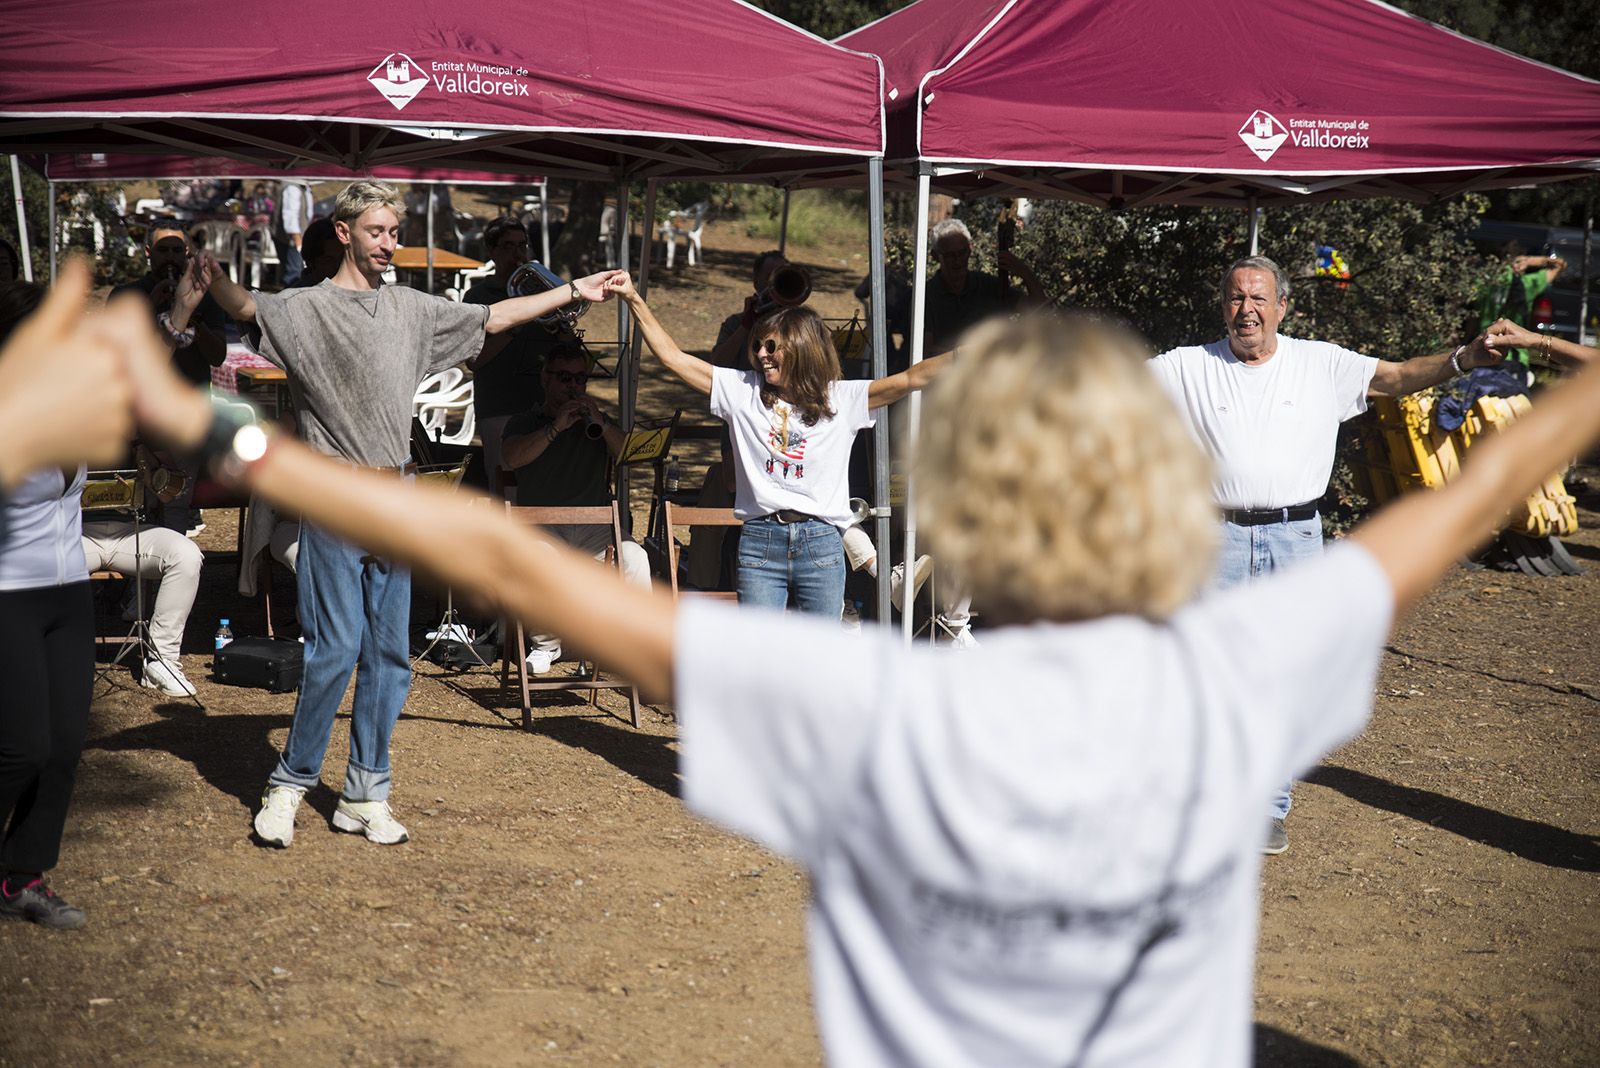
[
  {"x": 792, "y": 563},
  {"x": 355, "y": 611},
  {"x": 1252, "y": 552}
]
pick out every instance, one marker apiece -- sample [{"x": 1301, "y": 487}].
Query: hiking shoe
[
  {"x": 275, "y": 822},
  {"x": 543, "y": 654},
  {"x": 897, "y": 581},
  {"x": 37, "y": 903},
  {"x": 371, "y": 818},
  {"x": 166, "y": 676},
  {"x": 1277, "y": 838}
]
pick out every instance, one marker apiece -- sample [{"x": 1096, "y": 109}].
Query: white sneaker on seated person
[{"x": 544, "y": 650}]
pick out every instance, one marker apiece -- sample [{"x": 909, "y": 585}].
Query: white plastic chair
[
  {"x": 261, "y": 251},
  {"x": 689, "y": 224}
]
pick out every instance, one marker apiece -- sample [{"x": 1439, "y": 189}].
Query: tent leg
[
  {"x": 430, "y": 240},
  {"x": 1583, "y": 301},
  {"x": 881, "y": 533},
  {"x": 625, "y": 384},
  {"x": 24, "y": 250},
  {"x": 919, "y": 308},
  {"x": 52, "y": 187},
  {"x": 783, "y": 225},
  {"x": 544, "y": 220},
  {"x": 1255, "y": 228}
]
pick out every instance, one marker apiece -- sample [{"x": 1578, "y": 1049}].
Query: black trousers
[{"x": 47, "y": 668}]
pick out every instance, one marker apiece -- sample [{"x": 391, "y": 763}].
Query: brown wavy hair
[{"x": 810, "y": 365}]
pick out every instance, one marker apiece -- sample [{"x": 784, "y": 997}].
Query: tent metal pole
[
  {"x": 881, "y": 532},
  {"x": 1583, "y": 300},
  {"x": 1255, "y": 228},
  {"x": 52, "y": 187},
  {"x": 629, "y": 358},
  {"x": 24, "y": 250},
  {"x": 783, "y": 225},
  {"x": 431, "y": 190},
  {"x": 624, "y": 325},
  {"x": 919, "y": 308},
  {"x": 544, "y": 220}
]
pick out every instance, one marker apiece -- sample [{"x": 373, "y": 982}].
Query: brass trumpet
[{"x": 534, "y": 277}]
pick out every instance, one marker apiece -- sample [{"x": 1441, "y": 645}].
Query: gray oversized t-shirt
[{"x": 355, "y": 359}]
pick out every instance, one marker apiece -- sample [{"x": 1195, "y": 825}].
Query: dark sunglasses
[
  {"x": 769, "y": 346},
  {"x": 570, "y": 378}
]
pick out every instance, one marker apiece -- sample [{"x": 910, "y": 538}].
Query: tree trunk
[{"x": 577, "y": 251}]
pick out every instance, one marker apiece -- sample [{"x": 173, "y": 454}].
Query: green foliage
[
  {"x": 830, "y": 18},
  {"x": 78, "y": 208},
  {"x": 815, "y": 216}
]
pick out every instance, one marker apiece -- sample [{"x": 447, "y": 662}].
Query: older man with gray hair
[{"x": 1266, "y": 408}]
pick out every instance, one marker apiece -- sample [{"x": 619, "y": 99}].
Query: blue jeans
[
  {"x": 355, "y": 611},
  {"x": 792, "y": 563},
  {"x": 1251, "y": 552}
]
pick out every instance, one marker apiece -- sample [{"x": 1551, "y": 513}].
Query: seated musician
[
  {"x": 115, "y": 541},
  {"x": 561, "y": 452}
]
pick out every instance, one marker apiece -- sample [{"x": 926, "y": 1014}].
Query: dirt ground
[{"x": 558, "y": 905}]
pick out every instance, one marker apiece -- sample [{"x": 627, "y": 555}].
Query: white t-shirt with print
[
  {"x": 1270, "y": 429},
  {"x": 987, "y": 834},
  {"x": 781, "y": 462}
]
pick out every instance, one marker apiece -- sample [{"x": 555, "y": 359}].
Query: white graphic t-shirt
[
  {"x": 1270, "y": 429},
  {"x": 783, "y": 462},
  {"x": 989, "y": 835}
]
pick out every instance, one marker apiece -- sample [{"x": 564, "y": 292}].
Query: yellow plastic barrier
[{"x": 1419, "y": 454}]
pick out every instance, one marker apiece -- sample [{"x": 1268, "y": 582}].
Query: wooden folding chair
[
  {"x": 595, "y": 515},
  {"x": 689, "y": 516}
]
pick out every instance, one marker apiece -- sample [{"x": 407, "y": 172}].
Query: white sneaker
[
  {"x": 850, "y": 619},
  {"x": 166, "y": 676},
  {"x": 961, "y": 637},
  {"x": 275, "y": 822},
  {"x": 196, "y": 530},
  {"x": 897, "y": 581},
  {"x": 542, "y": 656},
  {"x": 371, "y": 818}
]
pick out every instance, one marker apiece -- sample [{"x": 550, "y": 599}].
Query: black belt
[
  {"x": 788, "y": 515},
  {"x": 1255, "y": 517}
]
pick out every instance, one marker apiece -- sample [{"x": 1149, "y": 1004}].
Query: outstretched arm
[
  {"x": 1396, "y": 379},
  {"x": 1506, "y": 335},
  {"x": 512, "y": 313},
  {"x": 890, "y": 388},
  {"x": 695, "y": 372},
  {"x": 232, "y": 297},
  {"x": 1417, "y": 538}
]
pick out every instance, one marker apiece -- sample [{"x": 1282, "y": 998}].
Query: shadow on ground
[
  {"x": 1279, "y": 1049},
  {"x": 1539, "y": 842}
]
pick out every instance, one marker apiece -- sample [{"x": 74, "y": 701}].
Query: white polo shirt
[{"x": 1269, "y": 429}]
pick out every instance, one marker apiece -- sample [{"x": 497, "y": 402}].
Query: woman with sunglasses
[{"x": 793, "y": 420}]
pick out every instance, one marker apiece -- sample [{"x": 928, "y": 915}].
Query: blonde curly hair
[{"x": 1056, "y": 480}]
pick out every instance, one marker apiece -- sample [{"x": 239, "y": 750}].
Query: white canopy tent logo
[
  {"x": 1263, "y": 134},
  {"x": 399, "y": 78}
]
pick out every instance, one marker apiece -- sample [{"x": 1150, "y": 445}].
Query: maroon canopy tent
[
  {"x": 1215, "y": 102},
  {"x": 131, "y": 166},
  {"x": 563, "y": 88}
]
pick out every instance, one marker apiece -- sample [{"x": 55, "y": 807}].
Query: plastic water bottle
[
  {"x": 674, "y": 476},
  {"x": 224, "y": 635}
]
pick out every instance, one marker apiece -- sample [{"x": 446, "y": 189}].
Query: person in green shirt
[{"x": 1511, "y": 292}]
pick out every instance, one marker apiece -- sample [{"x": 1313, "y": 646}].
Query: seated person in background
[
  {"x": 505, "y": 376},
  {"x": 321, "y": 251},
  {"x": 110, "y": 543},
  {"x": 198, "y": 343},
  {"x": 562, "y": 453}
]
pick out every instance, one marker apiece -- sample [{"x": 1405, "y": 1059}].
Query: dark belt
[
  {"x": 788, "y": 515},
  {"x": 1255, "y": 517},
  {"x": 407, "y": 468}
]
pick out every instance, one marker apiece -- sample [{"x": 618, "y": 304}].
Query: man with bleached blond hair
[{"x": 355, "y": 350}]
